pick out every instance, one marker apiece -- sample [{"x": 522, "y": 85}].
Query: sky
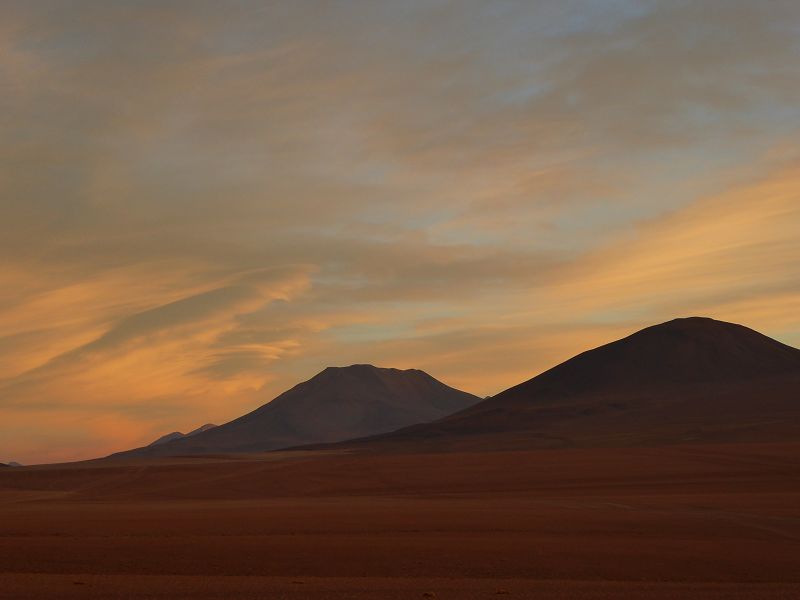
[{"x": 203, "y": 203}]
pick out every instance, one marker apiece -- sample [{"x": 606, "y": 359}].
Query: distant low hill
[
  {"x": 176, "y": 435},
  {"x": 687, "y": 380},
  {"x": 337, "y": 404}
]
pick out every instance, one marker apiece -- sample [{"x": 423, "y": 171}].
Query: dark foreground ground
[{"x": 706, "y": 522}]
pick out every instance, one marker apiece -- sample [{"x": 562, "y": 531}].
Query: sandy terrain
[{"x": 673, "y": 522}]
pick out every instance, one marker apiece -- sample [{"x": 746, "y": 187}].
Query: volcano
[
  {"x": 337, "y": 404},
  {"x": 687, "y": 380}
]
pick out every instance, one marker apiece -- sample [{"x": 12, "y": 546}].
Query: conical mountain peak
[
  {"x": 364, "y": 369},
  {"x": 336, "y": 404}
]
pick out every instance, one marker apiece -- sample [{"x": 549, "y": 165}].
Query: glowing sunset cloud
[{"x": 203, "y": 203}]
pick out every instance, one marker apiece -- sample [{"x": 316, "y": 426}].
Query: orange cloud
[
  {"x": 200, "y": 209},
  {"x": 737, "y": 248}
]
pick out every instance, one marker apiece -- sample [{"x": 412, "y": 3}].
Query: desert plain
[{"x": 670, "y": 522}]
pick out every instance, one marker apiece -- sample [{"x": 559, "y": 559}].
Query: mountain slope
[
  {"x": 337, "y": 404},
  {"x": 692, "y": 379},
  {"x": 176, "y": 435}
]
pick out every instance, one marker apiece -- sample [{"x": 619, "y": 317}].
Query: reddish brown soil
[{"x": 674, "y": 522}]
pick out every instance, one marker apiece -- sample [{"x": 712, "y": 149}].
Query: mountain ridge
[
  {"x": 176, "y": 435},
  {"x": 687, "y": 379},
  {"x": 336, "y": 404},
  {"x": 680, "y": 351}
]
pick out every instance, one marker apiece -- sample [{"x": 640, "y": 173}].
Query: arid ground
[{"x": 706, "y": 521}]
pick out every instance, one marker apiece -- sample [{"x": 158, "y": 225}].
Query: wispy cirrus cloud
[{"x": 202, "y": 204}]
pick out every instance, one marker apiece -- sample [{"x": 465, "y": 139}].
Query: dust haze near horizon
[{"x": 204, "y": 203}]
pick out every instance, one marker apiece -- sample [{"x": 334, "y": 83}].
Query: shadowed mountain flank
[
  {"x": 337, "y": 404},
  {"x": 693, "y": 379},
  {"x": 176, "y": 435}
]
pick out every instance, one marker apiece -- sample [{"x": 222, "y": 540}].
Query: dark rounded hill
[
  {"x": 693, "y": 379},
  {"x": 337, "y": 404},
  {"x": 678, "y": 352}
]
